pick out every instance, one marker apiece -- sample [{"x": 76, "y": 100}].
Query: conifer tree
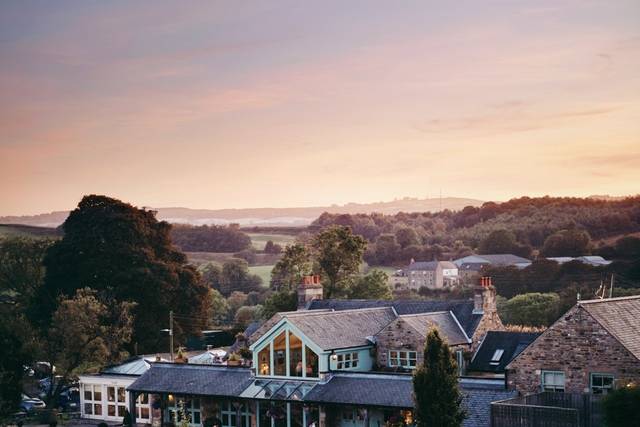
[{"x": 436, "y": 395}]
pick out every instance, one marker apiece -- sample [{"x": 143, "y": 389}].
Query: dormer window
[{"x": 497, "y": 355}]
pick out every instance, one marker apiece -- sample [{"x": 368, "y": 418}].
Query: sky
[{"x": 217, "y": 104}]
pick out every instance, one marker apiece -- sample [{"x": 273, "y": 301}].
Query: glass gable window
[
  {"x": 601, "y": 383},
  {"x": 403, "y": 359},
  {"x": 295, "y": 356},
  {"x": 552, "y": 381},
  {"x": 287, "y": 356}
]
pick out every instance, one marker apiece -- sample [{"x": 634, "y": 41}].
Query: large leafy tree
[
  {"x": 338, "y": 252},
  {"x": 435, "y": 386},
  {"x": 288, "y": 271},
  {"x": 572, "y": 242},
  {"x": 374, "y": 285},
  {"x": 125, "y": 254},
  {"x": 85, "y": 333},
  {"x": 532, "y": 309},
  {"x": 14, "y": 355}
]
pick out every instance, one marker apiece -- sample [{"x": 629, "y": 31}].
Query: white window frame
[
  {"x": 347, "y": 360},
  {"x": 555, "y": 386},
  {"x": 229, "y": 412},
  {"x": 397, "y": 357}
]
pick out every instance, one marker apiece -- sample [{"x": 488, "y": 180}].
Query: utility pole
[{"x": 171, "y": 333}]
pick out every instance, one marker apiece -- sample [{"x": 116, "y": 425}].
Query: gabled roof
[
  {"x": 201, "y": 380},
  {"x": 620, "y": 317},
  {"x": 511, "y": 344},
  {"x": 423, "y": 265},
  {"x": 445, "y": 321},
  {"x": 493, "y": 259},
  {"x": 341, "y": 329},
  {"x": 430, "y": 265},
  {"x": 462, "y": 309}
]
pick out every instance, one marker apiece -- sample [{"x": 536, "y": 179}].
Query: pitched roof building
[
  {"x": 333, "y": 363},
  {"x": 593, "y": 346}
]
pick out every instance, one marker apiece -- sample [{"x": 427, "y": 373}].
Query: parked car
[
  {"x": 69, "y": 400},
  {"x": 30, "y": 404}
]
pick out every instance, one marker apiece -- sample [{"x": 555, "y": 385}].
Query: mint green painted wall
[{"x": 365, "y": 360}]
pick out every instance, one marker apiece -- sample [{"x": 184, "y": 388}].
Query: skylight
[{"x": 497, "y": 355}]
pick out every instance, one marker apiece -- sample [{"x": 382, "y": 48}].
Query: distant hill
[
  {"x": 302, "y": 216},
  {"x": 18, "y": 230}
]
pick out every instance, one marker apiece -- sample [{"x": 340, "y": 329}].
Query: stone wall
[
  {"x": 578, "y": 346},
  {"x": 398, "y": 335}
]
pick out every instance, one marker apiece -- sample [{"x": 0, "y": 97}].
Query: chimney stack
[
  {"x": 309, "y": 290},
  {"x": 484, "y": 298}
]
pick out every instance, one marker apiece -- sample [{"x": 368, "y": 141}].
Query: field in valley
[{"x": 259, "y": 240}]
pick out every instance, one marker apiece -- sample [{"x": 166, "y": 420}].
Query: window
[
  {"x": 142, "y": 407},
  {"x": 295, "y": 356},
  {"x": 553, "y": 381},
  {"x": 601, "y": 383},
  {"x": 286, "y": 355},
  {"x": 347, "y": 361},
  {"x": 116, "y": 397},
  {"x": 191, "y": 407},
  {"x": 92, "y": 399},
  {"x": 264, "y": 361},
  {"x": 403, "y": 358},
  {"x": 497, "y": 355},
  {"x": 229, "y": 415}
]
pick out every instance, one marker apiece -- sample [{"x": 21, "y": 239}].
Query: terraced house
[{"x": 331, "y": 363}]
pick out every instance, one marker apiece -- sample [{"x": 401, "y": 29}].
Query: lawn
[
  {"x": 264, "y": 271},
  {"x": 259, "y": 240}
]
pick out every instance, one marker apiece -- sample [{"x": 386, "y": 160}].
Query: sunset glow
[{"x": 253, "y": 104}]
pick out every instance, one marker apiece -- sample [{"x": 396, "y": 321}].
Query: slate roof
[
  {"x": 620, "y": 317},
  {"x": 493, "y": 259},
  {"x": 341, "y": 329},
  {"x": 423, "y": 265},
  {"x": 396, "y": 391},
  {"x": 430, "y": 265},
  {"x": 201, "y": 380},
  {"x": 443, "y": 320},
  {"x": 512, "y": 343},
  {"x": 462, "y": 309}
]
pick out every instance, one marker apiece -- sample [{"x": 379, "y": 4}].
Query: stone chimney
[
  {"x": 308, "y": 290},
  {"x": 484, "y": 298}
]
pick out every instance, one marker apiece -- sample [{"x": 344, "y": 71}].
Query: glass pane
[
  {"x": 111, "y": 394},
  {"x": 144, "y": 413},
  {"x": 88, "y": 408},
  {"x": 196, "y": 417},
  {"x": 97, "y": 409},
  {"x": 97, "y": 393},
  {"x": 295, "y": 356},
  {"x": 264, "y": 361},
  {"x": 111, "y": 410},
  {"x": 121, "y": 394},
  {"x": 280, "y": 355},
  {"x": 121, "y": 411},
  {"x": 312, "y": 363},
  {"x": 87, "y": 394}
]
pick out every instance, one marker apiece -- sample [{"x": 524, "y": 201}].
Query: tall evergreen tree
[
  {"x": 126, "y": 254},
  {"x": 435, "y": 386}
]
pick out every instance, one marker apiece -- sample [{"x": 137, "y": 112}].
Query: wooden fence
[{"x": 548, "y": 409}]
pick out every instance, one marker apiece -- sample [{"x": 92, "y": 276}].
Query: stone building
[
  {"x": 431, "y": 275},
  {"x": 594, "y": 347}
]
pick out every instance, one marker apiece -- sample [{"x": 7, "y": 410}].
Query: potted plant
[
  {"x": 234, "y": 360},
  {"x": 245, "y": 353}
]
